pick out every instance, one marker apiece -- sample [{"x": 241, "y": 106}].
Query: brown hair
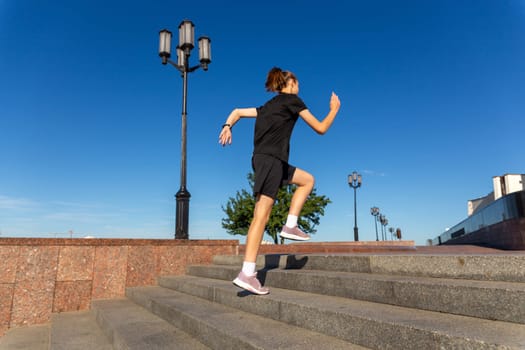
[{"x": 277, "y": 79}]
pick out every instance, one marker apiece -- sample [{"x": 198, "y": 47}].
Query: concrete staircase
[{"x": 324, "y": 301}]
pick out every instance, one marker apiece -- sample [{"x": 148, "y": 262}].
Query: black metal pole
[
  {"x": 356, "y": 232},
  {"x": 377, "y": 237},
  {"x": 183, "y": 196}
]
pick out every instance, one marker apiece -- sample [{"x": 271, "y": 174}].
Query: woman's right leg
[{"x": 305, "y": 183}]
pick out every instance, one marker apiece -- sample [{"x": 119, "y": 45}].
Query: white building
[{"x": 503, "y": 185}]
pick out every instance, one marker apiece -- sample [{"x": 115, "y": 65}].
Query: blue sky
[{"x": 432, "y": 99}]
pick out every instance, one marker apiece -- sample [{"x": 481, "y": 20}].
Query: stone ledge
[
  {"x": 8, "y": 241},
  {"x": 45, "y": 275},
  {"x": 335, "y": 247}
]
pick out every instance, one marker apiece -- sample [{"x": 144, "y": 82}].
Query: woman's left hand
[{"x": 225, "y": 137}]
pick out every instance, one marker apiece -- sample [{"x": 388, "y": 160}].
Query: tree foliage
[{"x": 239, "y": 211}]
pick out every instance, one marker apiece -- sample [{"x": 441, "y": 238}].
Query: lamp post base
[
  {"x": 182, "y": 214},
  {"x": 356, "y": 234}
]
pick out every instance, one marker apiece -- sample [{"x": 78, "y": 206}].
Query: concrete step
[
  {"x": 132, "y": 327},
  {"x": 373, "y": 325},
  {"x": 491, "y": 300},
  {"x": 222, "y": 327},
  {"x": 77, "y": 331},
  {"x": 66, "y": 331},
  {"x": 26, "y": 338},
  {"x": 483, "y": 267}
]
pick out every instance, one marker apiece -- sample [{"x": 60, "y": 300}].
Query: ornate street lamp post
[
  {"x": 354, "y": 181},
  {"x": 384, "y": 221},
  {"x": 391, "y": 230},
  {"x": 398, "y": 233},
  {"x": 186, "y": 44},
  {"x": 375, "y": 212}
]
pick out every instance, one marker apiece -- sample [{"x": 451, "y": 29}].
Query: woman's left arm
[{"x": 225, "y": 137}]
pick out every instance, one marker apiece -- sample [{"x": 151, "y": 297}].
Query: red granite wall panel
[
  {"x": 35, "y": 283},
  {"x": 6, "y": 299},
  {"x": 72, "y": 296},
  {"x": 9, "y": 260},
  {"x": 172, "y": 260},
  {"x": 75, "y": 263},
  {"x": 142, "y": 266},
  {"x": 109, "y": 272}
]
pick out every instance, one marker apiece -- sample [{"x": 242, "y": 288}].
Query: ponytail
[{"x": 277, "y": 79}]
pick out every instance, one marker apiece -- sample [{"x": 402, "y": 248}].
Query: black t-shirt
[{"x": 274, "y": 125}]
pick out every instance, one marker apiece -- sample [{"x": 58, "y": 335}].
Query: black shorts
[{"x": 270, "y": 175}]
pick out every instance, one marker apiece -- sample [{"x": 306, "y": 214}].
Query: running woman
[{"x": 274, "y": 124}]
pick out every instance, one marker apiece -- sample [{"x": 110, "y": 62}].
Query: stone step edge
[
  {"x": 507, "y": 268},
  {"x": 77, "y": 330},
  {"x": 140, "y": 329},
  {"x": 327, "y": 314},
  {"x": 482, "y": 299},
  {"x": 28, "y": 337},
  {"x": 222, "y": 327}
]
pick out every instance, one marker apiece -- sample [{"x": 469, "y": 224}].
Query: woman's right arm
[
  {"x": 321, "y": 127},
  {"x": 225, "y": 137}
]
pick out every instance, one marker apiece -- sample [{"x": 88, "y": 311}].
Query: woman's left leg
[{"x": 247, "y": 278}]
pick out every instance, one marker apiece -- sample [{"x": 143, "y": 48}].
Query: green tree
[{"x": 239, "y": 211}]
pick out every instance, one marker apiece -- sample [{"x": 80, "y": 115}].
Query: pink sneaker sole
[
  {"x": 259, "y": 290},
  {"x": 294, "y": 234}
]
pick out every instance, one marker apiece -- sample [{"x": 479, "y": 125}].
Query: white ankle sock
[
  {"x": 248, "y": 268},
  {"x": 291, "y": 221}
]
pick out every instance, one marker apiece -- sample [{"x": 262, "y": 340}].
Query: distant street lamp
[
  {"x": 391, "y": 230},
  {"x": 384, "y": 222},
  {"x": 354, "y": 181},
  {"x": 381, "y": 217},
  {"x": 375, "y": 212},
  {"x": 398, "y": 233},
  {"x": 186, "y": 44}
]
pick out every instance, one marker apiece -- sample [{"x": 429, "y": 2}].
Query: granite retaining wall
[{"x": 40, "y": 276}]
